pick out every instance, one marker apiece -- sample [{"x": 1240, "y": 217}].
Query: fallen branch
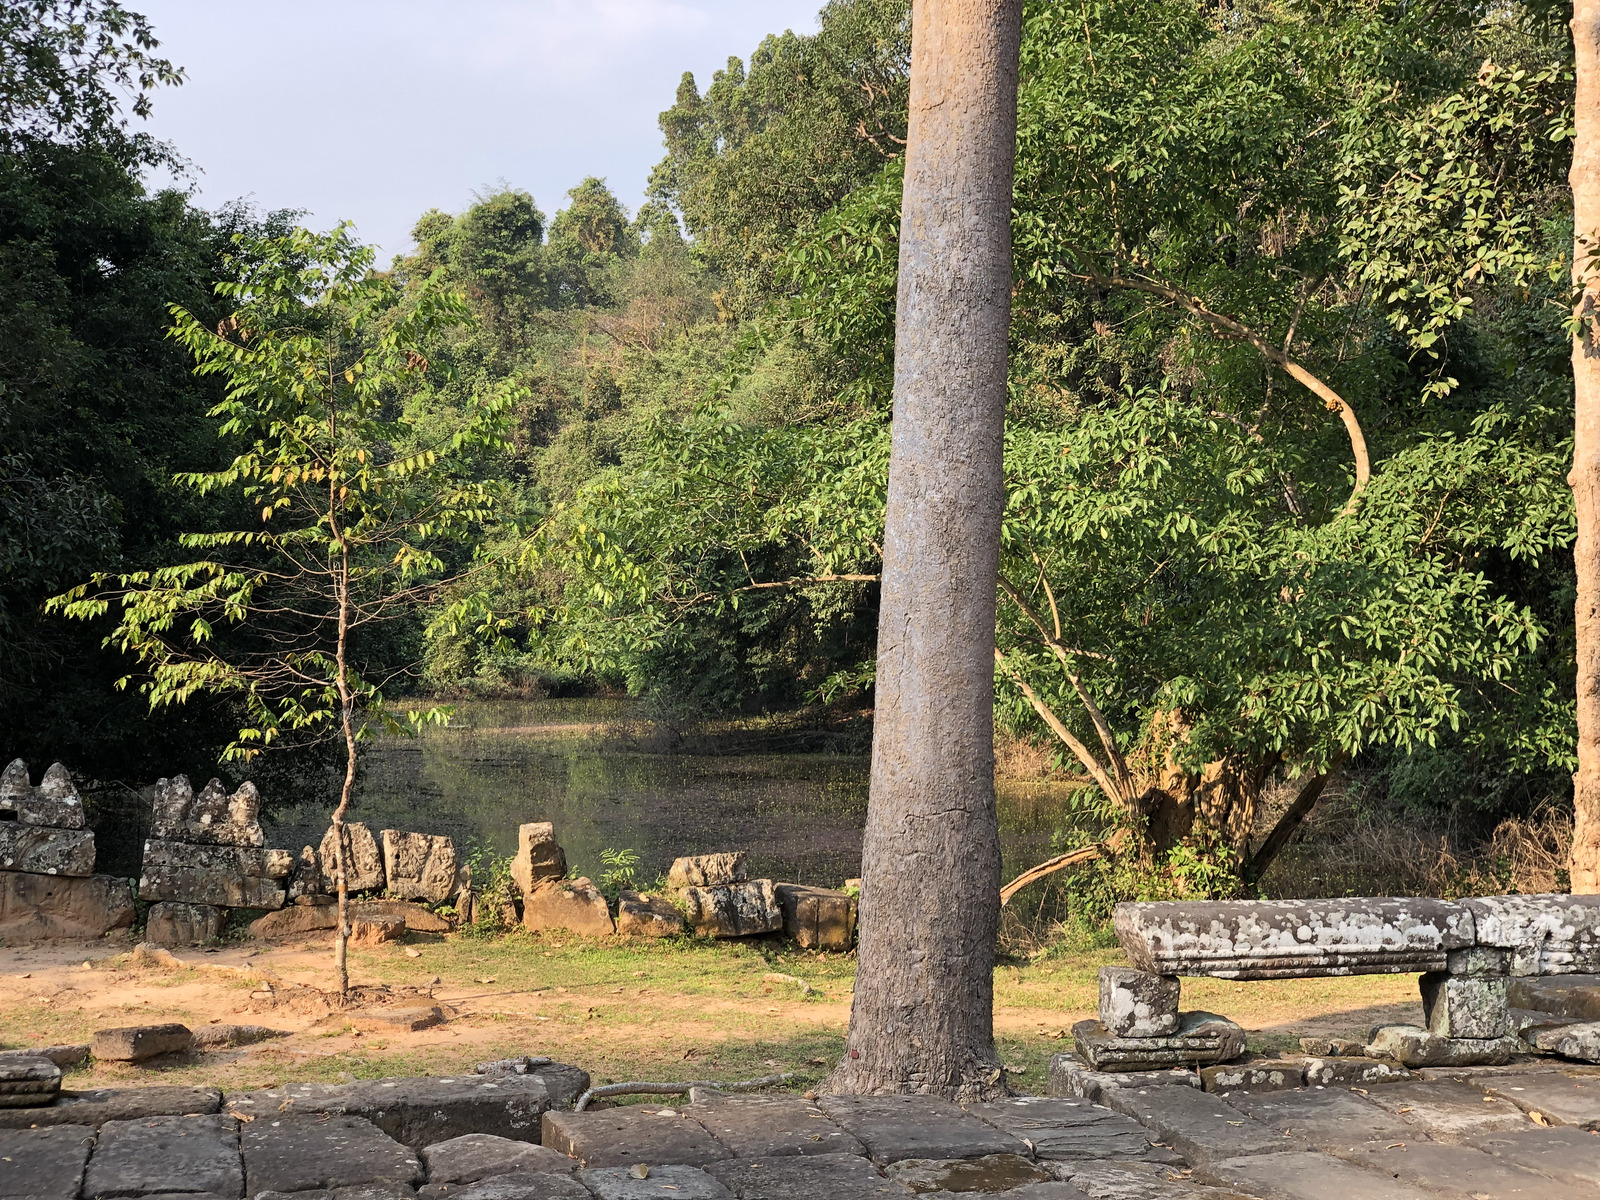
[
  {"x": 1048, "y": 867},
  {"x": 676, "y": 1089}
]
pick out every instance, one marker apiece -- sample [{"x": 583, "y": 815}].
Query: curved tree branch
[
  {"x": 1082, "y": 752},
  {"x": 1048, "y": 867}
]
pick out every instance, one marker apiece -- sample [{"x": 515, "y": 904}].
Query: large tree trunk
[
  {"x": 923, "y": 1016},
  {"x": 1585, "y": 477}
]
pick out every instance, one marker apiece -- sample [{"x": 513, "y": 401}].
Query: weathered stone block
[
  {"x": 39, "y": 907},
  {"x": 575, "y": 905},
  {"x": 72, "y": 1055},
  {"x": 28, "y": 1081},
  {"x": 733, "y": 910},
  {"x": 292, "y": 1153},
  {"x": 306, "y": 885},
  {"x": 1414, "y": 1047},
  {"x": 1138, "y": 1004},
  {"x": 54, "y": 802},
  {"x": 633, "y": 1133},
  {"x": 1061, "y": 1130},
  {"x": 1329, "y": 1119},
  {"x": 1464, "y": 1007},
  {"x": 539, "y": 859},
  {"x": 1201, "y": 1126},
  {"x": 989, "y": 1173},
  {"x": 96, "y": 1107},
  {"x": 762, "y": 1126},
  {"x": 475, "y": 1156},
  {"x": 515, "y": 1185},
  {"x": 417, "y": 918},
  {"x": 166, "y": 1155},
  {"x": 419, "y": 866},
  {"x": 364, "y": 871},
  {"x": 1273, "y": 939},
  {"x": 295, "y": 921},
  {"x": 1478, "y": 962},
  {"x": 1544, "y": 935},
  {"x": 1580, "y": 1041},
  {"x": 1252, "y": 1077},
  {"x": 135, "y": 1043},
  {"x": 1352, "y": 1072},
  {"x": 173, "y": 923},
  {"x": 44, "y": 1163},
  {"x": 225, "y": 876},
  {"x": 641, "y": 915},
  {"x": 682, "y": 1183},
  {"x": 834, "y": 1176},
  {"x": 899, "y": 1127},
  {"x": 817, "y": 918},
  {"x": 1332, "y": 1047},
  {"x": 45, "y": 851},
  {"x": 707, "y": 870},
  {"x": 1200, "y": 1037},
  {"x": 213, "y": 818},
  {"x": 1070, "y": 1075},
  {"x": 221, "y": 1037},
  {"x": 1576, "y": 997},
  {"x": 1454, "y": 1171},
  {"x": 374, "y": 931}
]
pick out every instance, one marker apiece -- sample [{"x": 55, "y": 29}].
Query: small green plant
[
  {"x": 491, "y": 879},
  {"x": 620, "y": 866}
]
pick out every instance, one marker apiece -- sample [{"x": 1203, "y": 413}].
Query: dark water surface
[{"x": 599, "y": 771}]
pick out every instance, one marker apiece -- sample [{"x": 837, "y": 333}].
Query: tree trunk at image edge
[
  {"x": 922, "y": 1019},
  {"x": 1585, "y": 477}
]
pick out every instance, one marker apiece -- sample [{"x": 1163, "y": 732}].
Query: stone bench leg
[{"x": 1137, "y": 1003}]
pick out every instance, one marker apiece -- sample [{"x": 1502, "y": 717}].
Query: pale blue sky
[{"x": 376, "y": 110}]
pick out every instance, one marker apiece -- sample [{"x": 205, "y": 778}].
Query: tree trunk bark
[
  {"x": 1585, "y": 476},
  {"x": 923, "y": 1016}
]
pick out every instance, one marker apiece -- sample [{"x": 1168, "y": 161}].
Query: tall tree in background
[
  {"x": 1585, "y": 477},
  {"x": 923, "y": 1015}
]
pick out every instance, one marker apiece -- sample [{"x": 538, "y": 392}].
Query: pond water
[{"x": 607, "y": 778}]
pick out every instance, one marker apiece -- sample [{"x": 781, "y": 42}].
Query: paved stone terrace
[{"x": 1523, "y": 1131}]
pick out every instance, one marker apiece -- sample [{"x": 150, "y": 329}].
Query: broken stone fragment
[
  {"x": 135, "y": 1043},
  {"x": 1137, "y": 1003},
  {"x": 733, "y": 910},
  {"x": 1352, "y": 1071},
  {"x": 1281, "y": 939},
  {"x": 1456, "y": 1006},
  {"x": 1200, "y": 1038},
  {"x": 44, "y": 850},
  {"x": 419, "y": 866},
  {"x": 28, "y": 1081},
  {"x": 1412, "y": 1046},
  {"x": 364, "y": 870},
  {"x": 1544, "y": 934},
  {"x": 641, "y": 915},
  {"x": 817, "y": 918},
  {"x": 1331, "y": 1047},
  {"x": 1579, "y": 1040},
  {"x": 539, "y": 859},
  {"x": 225, "y": 876},
  {"x": 54, "y": 803},
  {"x": 575, "y": 905},
  {"x": 305, "y": 879},
  {"x": 1070, "y": 1075},
  {"x": 213, "y": 818},
  {"x": 374, "y": 931},
  {"x": 707, "y": 870},
  {"x": 174, "y": 923}
]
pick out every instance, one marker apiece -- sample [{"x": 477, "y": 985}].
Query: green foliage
[{"x": 620, "y": 868}]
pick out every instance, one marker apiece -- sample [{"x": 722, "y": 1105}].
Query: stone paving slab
[
  {"x": 678, "y": 1183},
  {"x": 1464, "y": 1171},
  {"x": 1448, "y": 1110},
  {"x": 1564, "y": 1153},
  {"x": 1130, "y": 1181},
  {"x": 766, "y": 1126},
  {"x": 991, "y": 1173},
  {"x": 1330, "y": 1119},
  {"x": 516, "y": 1185},
  {"x": 422, "y": 1111},
  {"x": 475, "y": 1156},
  {"x": 632, "y": 1133},
  {"x": 1201, "y": 1126},
  {"x": 1562, "y": 1099},
  {"x": 1067, "y": 1130},
  {"x": 814, "y": 1177},
  {"x": 154, "y": 1155},
  {"x": 114, "y": 1104},
  {"x": 1307, "y": 1175},
  {"x": 363, "y": 1191},
  {"x": 896, "y": 1127},
  {"x": 44, "y": 1163},
  {"x": 324, "y": 1150}
]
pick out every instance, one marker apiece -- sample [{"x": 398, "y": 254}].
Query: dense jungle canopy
[{"x": 1290, "y": 405}]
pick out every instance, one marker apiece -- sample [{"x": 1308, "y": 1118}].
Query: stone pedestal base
[
  {"x": 1200, "y": 1038},
  {"x": 1137, "y": 1004}
]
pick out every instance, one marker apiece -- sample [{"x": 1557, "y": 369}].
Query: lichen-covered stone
[
  {"x": 1070, "y": 1075},
  {"x": 1251, "y": 1077},
  {"x": 707, "y": 870},
  {"x": 173, "y": 923},
  {"x": 1352, "y": 1071},
  {"x": 640, "y": 915},
  {"x": 1278, "y": 939},
  {"x": 44, "y": 850},
  {"x": 539, "y": 859},
  {"x": 817, "y": 918},
  {"x": 1579, "y": 1040},
  {"x": 1332, "y": 1047},
  {"x": 1456, "y": 1006},
  {"x": 1478, "y": 961},
  {"x": 1200, "y": 1038},
  {"x": 306, "y": 885},
  {"x": 1544, "y": 934},
  {"x": 1137, "y": 1003},
  {"x": 419, "y": 866},
  {"x": 733, "y": 910},
  {"x": 575, "y": 905},
  {"x": 39, "y": 907},
  {"x": 213, "y": 818},
  {"x": 364, "y": 871},
  {"x": 226, "y": 876},
  {"x": 1412, "y": 1046},
  {"x": 28, "y": 1081},
  {"x": 54, "y": 802}
]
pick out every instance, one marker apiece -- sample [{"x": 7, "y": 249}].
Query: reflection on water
[{"x": 591, "y": 767}]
